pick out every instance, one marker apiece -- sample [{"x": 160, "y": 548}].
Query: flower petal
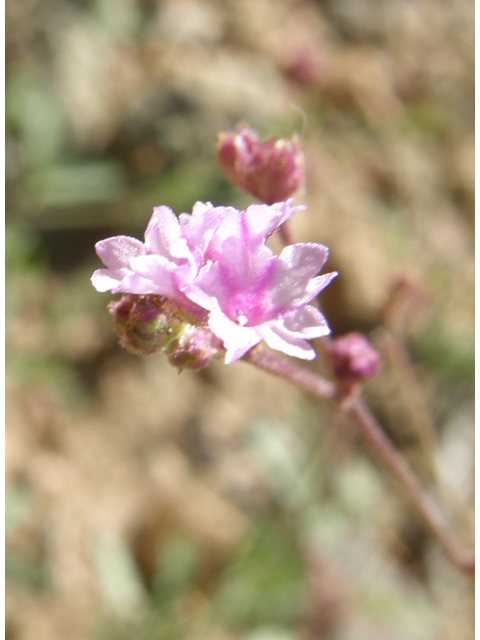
[
  {"x": 263, "y": 220},
  {"x": 116, "y": 252},
  {"x": 206, "y": 289},
  {"x": 236, "y": 340},
  {"x": 108, "y": 279},
  {"x": 163, "y": 235},
  {"x": 290, "y": 332},
  {"x": 153, "y": 269},
  {"x": 279, "y": 338},
  {"x": 315, "y": 286},
  {"x": 307, "y": 322},
  {"x": 296, "y": 266},
  {"x": 201, "y": 227}
]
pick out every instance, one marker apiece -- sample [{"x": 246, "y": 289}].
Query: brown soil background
[{"x": 225, "y": 504}]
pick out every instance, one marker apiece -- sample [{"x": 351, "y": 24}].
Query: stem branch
[
  {"x": 381, "y": 447},
  {"x": 391, "y": 461}
]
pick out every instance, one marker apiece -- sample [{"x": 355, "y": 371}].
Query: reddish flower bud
[
  {"x": 306, "y": 66},
  {"x": 194, "y": 348},
  {"x": 148, "y": 324},
  {"x": 271, "y": 171},
  {"x": 141, "y": 322},
  {"x": 353, "y": 359}
]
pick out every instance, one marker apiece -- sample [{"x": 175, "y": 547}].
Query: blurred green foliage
[{"x": 263, "y": 585}]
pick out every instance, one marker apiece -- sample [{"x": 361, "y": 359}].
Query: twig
[
  {"x": 284, "y": 368},
  {"x": 384, "y": 452},
  {"x": 389, "y": 459},
  {"x": 414, "y": 400}
]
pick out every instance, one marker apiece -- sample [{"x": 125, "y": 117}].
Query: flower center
[
  {"x": 242, "y": 319},
  {"x": 246, "y": 310}
]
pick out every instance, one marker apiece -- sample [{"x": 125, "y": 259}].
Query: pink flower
[
  {"x": 270, "y": 171},
  {"x": 175, "y": 249},
  {"x": 214, "y": 265},
  {"x": 255, "y": 296}
]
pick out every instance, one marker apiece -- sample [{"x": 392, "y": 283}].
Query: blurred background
[{"x": 224, "y": 504}]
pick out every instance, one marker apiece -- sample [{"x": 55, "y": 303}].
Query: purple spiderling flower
[
  {"x": 255, "y": 296},
  {"x": 214, "y": 265}
]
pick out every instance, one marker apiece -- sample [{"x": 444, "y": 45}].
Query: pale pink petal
[
  {"x": 243, "y": 270},
  {"x": 290, "y": 332},
  {"x": 199, "y": 208},
  {"x": 134, "y": 283},
  {"x": 229, "y": 225},
  {"x": 180, "y": 251},
  {"x": 239, "y": 273},
  {"x": 205, "y": 289},
  {"x": 253, "y": 226},
  {"x": 154, "y": 269},
  {"x": 263, "y": 220},
  {"x": 296, "y": 266},
  {"x": 201, "y": 227},
  {"x": 279, "y": 338},
  {"x": 236, "y": 340},
  {"x": 315, "y": 286},
  {"x": 107, "y": 279},
  {"x": 162, "y": 231},
  {"x": 307, "y": 322},
  {"x": 116, "y": 252}
]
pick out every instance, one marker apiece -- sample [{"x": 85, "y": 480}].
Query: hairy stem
[{"x": 380, "y": 446}]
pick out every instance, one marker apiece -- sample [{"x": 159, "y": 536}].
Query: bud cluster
[{"x": 149, "y": 324}]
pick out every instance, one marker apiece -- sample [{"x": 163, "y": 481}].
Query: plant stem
[
  {"x": 381, "y": 447},
  {"x": 284, "y": 368},
  {"x": 388, "y": 457},
  {"x": 395, "y": 352}
]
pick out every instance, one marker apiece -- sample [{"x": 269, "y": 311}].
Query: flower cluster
[{"x": 215, "y": 266}]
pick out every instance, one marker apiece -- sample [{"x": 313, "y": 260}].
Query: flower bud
[
  {"x": 141, "y": 322},
  {"x": 306, "y": 66},
  {"x": 271, "y": 171},
  {"x": 353, "y": 359},
  {"x": 194, "y": 348},
  {"x": 148, "y": 324}
]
